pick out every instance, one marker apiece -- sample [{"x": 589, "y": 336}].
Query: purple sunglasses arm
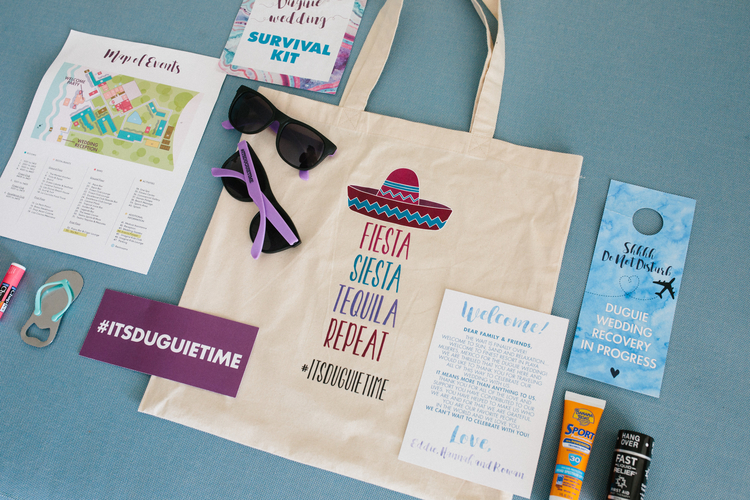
[
  {"x": 253, "y": 189},
  {"x": 273, "y": 215}
]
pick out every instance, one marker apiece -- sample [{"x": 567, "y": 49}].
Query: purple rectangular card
[{"x": 171, "y": 342}]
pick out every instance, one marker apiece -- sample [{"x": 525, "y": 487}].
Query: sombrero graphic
[{"x": 398, "y": 201}]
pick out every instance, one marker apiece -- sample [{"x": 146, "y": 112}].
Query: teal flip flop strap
[{"x": 65, "y": 285}]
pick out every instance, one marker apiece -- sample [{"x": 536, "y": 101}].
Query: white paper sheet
[
  {"x": 483, "y": 400},
  {"x": 105, "y": 149}
]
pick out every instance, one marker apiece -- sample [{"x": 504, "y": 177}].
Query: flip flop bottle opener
[{"x": 51, "y": 301}]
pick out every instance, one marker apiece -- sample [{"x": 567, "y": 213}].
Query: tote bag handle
[{"x": 377, "y": 47}]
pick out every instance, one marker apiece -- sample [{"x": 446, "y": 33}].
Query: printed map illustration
[{"x": 113, "y": 115}]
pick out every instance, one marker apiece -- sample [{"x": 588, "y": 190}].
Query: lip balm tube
[
  {"x": 9, "y": 284},
  {"x": 580, "y": 421},
  {"x": 630, "y": 465}
]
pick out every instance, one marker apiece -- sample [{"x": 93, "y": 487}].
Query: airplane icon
[{"x": 667, "y": 287}]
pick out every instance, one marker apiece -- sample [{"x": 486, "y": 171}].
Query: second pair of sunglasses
[
  {"x": 298, "y": 144},
  {"x": 245, "y": 179}
]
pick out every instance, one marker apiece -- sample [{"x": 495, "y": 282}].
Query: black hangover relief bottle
[{"x": 630, "y": 465}]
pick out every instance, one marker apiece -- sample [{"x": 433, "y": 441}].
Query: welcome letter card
[
  {"x": 626, "y": 317},
  {"x": 296, "y": 43},
  {"x": 483, "y": 400},
  {"x": 171, "y": 342}
]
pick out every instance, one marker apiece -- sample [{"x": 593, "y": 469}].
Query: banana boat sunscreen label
[{"x": 580, "y": 422}]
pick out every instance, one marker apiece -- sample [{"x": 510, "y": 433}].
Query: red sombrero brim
[{"x": 424, "y": 215}]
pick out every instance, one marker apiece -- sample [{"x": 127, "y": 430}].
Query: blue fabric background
[{"x": 653, "y": 93}]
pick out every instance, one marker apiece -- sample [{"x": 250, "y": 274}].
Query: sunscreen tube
[{"x": 580, "y": 421}]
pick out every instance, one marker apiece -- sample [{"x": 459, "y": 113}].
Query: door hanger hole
[{"x": 647, "y": 221}]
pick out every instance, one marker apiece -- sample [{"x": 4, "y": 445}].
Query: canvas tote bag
[{"x": 401, "y": 212}]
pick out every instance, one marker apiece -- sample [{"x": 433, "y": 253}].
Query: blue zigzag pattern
[
  {"x": 396, "y": 194},
  {"x": 399, "y": 214}
]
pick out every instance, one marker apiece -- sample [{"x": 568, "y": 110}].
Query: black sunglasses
[
  {"x": 298, "y": 144},
  {"x": 241, "y": 171}
]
